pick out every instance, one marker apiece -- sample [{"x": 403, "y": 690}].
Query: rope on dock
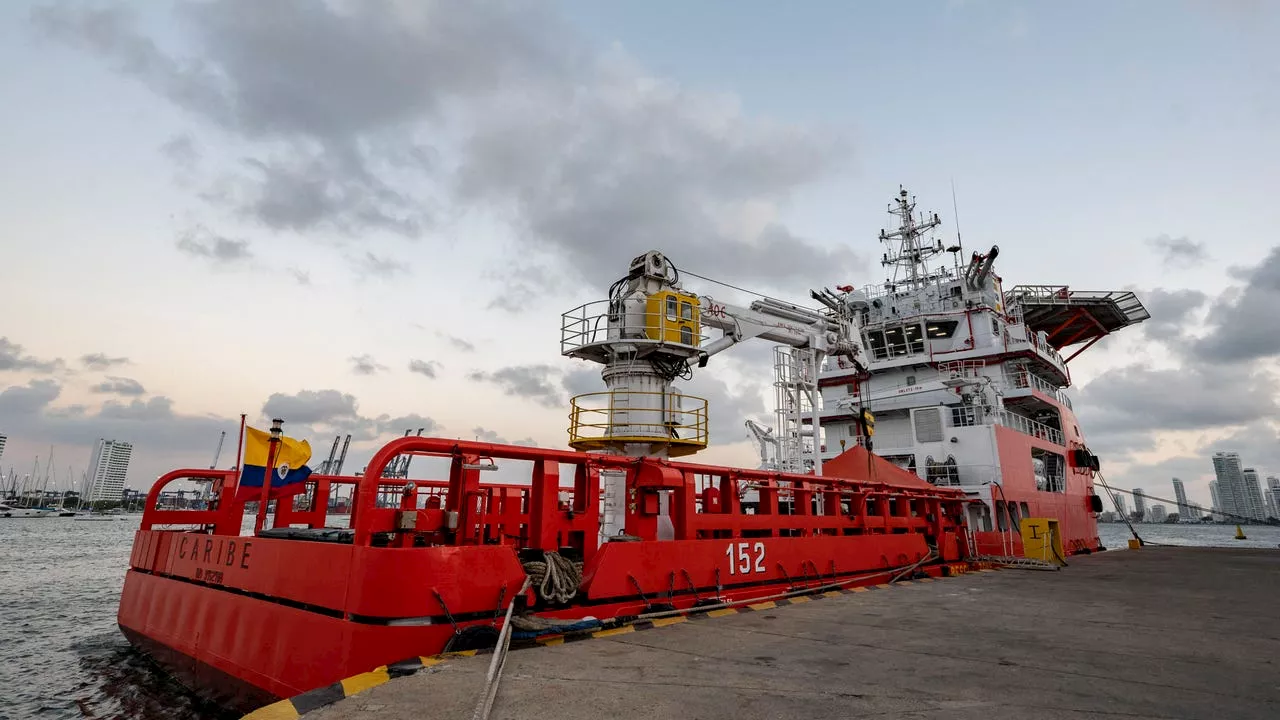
[{"x": 485, "y": 705}]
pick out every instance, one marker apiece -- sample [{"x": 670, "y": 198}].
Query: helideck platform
[{"x": 1153, "y": 633}]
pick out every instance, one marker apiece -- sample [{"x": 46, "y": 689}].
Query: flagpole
[
  {"x": 267, "y": 472},
  {"x": 240, "y": 445}
]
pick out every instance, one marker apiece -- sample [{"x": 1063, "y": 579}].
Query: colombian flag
[{"x": 291, "y": 469}]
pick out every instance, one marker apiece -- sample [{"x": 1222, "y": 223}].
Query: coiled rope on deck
[{"x": 556, "y": 578}]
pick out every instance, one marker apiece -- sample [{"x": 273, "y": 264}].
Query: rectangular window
[
  {"x": 941, "y": 329},
  {"x": 964, "y": 416},
  {"x": 915, "y": 341},
  {"x": 686, "y": 311},
  {"x": 879, "y": 350},
  {"x": 896, "y": 340},
  {"x": 671, "y": 307}
]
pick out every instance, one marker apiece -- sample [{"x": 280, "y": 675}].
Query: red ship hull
[{"x": 246, "y": 620}]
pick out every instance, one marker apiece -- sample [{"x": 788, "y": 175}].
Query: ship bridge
[{"x": 1069, "y": 316}]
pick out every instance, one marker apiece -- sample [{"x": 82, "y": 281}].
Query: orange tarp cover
[{"x": 853, "y": 464}]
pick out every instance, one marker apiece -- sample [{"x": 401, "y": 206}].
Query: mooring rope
[
  {"x": 556, "y": 577},
  {"x": 499, "y": 660}
]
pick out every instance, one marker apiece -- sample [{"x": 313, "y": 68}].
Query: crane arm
[
  {"x": 764, "y": 438},
  {"x": 778, "y": 322}
]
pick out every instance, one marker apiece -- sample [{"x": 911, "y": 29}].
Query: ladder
[{"x": 1020, "y": 563}]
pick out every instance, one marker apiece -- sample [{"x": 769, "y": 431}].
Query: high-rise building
[
  {"x": 1180, "y": 494},
  {"x": 1197, "y": 512},
  {"x": 107, "y": 470},
  {"x": 1120, "y": 505},
  {"x": 1256, "y": 510},
  {"x": 1273, "y": 497},
  {"x": 1214, "y": 504},
  {"x": 3, "y": 440},
  {"x": 1232, "y": 501},
  {"x": 1139, "y": 504},
  {"x": 1158, "y": 514}
]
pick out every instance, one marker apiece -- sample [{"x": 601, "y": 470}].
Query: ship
[{"x": 266, "y": 595}]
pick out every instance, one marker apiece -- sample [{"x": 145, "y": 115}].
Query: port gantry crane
[{"x": 649, "y": 333}]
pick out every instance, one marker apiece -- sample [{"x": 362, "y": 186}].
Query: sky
[{"x": 369, "y": 216}]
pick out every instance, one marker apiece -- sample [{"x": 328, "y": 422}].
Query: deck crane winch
[{"x": 649, "y": 333}]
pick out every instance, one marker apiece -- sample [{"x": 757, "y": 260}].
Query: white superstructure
[{"x": 964, "y": 381}]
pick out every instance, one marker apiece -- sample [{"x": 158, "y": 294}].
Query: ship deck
[{"x": 1153, "y": 633}]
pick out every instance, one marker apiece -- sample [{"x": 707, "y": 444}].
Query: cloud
[
  {"x": 490, "y": 436},
  {"x": 119, "y": 386},
  {"x": 413, "y": 422},
  {"x": 201, "y": 243},
  {"x": 385, "y": 267},
  {"x": 728, "y": 408},
  {"x": 317, "y": 412},
  {"x": 311, "y": 406},
  {"x": 310, "y": 187},
  {"x": 1122, "y": 409},
  {"x": 1258, "y": 445},
  {"x": 519, "y": 292},
  {"x": 155, "y": 409},
  {"x": 424, "y": 367},
  {"x": 514, "y": 299},
  {"x": 630, "y": 162},
  {"x": 100, "y": 361},
  {"x": 181, "y": 151},
  {"x": 19, "y": 401},
  {"x": 365, "y": 365},
  {"x": 302, "y": 277},
  {"x": 1171, "y": 311},
  {"x": 533, "y": 382},
  {"x": 366, "y": 116},
  {"x": 1179, "y": 251},
  {"x": 583, "y": 380},
  {"x": 13, "y": 358},
  {"x": 457, "y": 342},
  {"x": 162, "y": 438},
  {"x": 1244, "y": 326}
]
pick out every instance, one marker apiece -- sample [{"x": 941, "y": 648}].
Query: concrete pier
[{"x": 1153, "y": 633}]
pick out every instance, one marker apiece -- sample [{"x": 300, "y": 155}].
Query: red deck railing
[{"x": 702, "y": 501}]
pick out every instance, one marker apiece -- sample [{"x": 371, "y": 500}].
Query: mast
[{"x": 907, "y": 249}]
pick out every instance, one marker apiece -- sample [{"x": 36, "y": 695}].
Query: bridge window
[
  {"x": 941, "y": 329},
  {"x": 904, "y": 340},
  {"x": 875, "y": 339}
]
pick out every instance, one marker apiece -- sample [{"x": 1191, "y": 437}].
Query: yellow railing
[{"x": 604, "y": 420}]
